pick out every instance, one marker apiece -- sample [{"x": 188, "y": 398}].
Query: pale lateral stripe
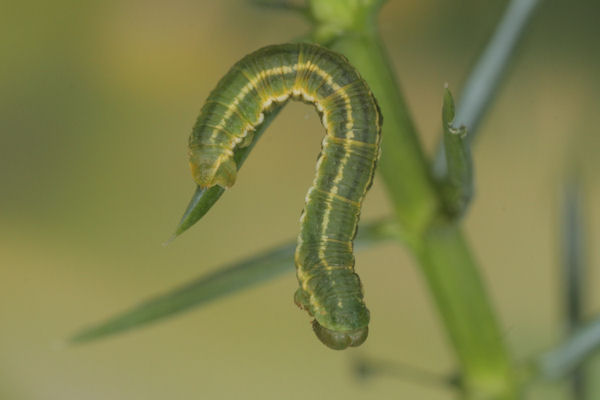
[
  {"x": 219, "y": 128},
  {"x": 337, "y": 196},
  {"x": 347, "y": 105},
  {"x": 236, "y": 112},
  {"x": 298, "y": 91},
  {"x": 358, "y": 143},
  {"x": 252, "y": 84}
]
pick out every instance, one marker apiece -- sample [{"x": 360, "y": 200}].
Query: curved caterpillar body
[{"x": 329, "y": 290}]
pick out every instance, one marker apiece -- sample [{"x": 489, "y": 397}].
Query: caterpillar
[{"x": 329, "y": 289}]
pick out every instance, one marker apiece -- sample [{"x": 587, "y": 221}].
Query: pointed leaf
[
  {"x": 484, "y": 80},
  {"x": 457, "y": 187},
  {"x": 231, "y": 279},
  {"x": 204, "y": 199}
]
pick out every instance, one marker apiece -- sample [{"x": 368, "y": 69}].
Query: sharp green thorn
[{"x": 457, "y": 185}]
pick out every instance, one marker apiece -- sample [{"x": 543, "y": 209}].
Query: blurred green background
[{"x": 96, "y": 102}]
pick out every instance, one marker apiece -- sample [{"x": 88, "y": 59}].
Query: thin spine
[{"x": 457, "y": 187}]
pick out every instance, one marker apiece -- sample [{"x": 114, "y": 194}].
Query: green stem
[
  {"x": 484, "y": 80},
  {"x": 572, "y": 353},
  {"x": 465, "y": 309},
  {"x": 447, "y": 264},
  {"x": 574, "y": 272}
]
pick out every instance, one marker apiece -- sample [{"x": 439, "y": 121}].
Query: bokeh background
[{"x": 97, "y": 99}]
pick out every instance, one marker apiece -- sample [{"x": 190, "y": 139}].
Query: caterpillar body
[{"x": 329, "y": 289}]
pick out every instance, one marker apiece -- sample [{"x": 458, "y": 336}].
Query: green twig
[
  {"x": 448, "y": 266},
  {"x": 484, "y": 79},
  {"x": 573, "y": 266},
  {"x": 366, "y": 368},
  {"x": 574, "y": 271},
  {"x": 572, "y": 353},
  {"x": 465, "y": 308}
]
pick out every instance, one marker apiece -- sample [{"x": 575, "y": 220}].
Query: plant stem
[
  {"x": 464, "y": 306},
  {"x": 574, "y": 272},
  {"x": 572, "y": 353},
  {"x": 487, "y": 74},
  {"x": 446, "y": 261}
]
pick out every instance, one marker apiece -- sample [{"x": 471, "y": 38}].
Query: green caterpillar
[{"x": 329, "y": 290}]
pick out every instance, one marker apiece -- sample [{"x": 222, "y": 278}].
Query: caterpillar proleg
[{"x": 329, "y": 289}]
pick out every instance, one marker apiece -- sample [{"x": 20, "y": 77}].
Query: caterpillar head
[
  {"x": 339, "y": 340},
  {"x": 335, "y": 327},
  {"x": 211, "y": 166}
]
